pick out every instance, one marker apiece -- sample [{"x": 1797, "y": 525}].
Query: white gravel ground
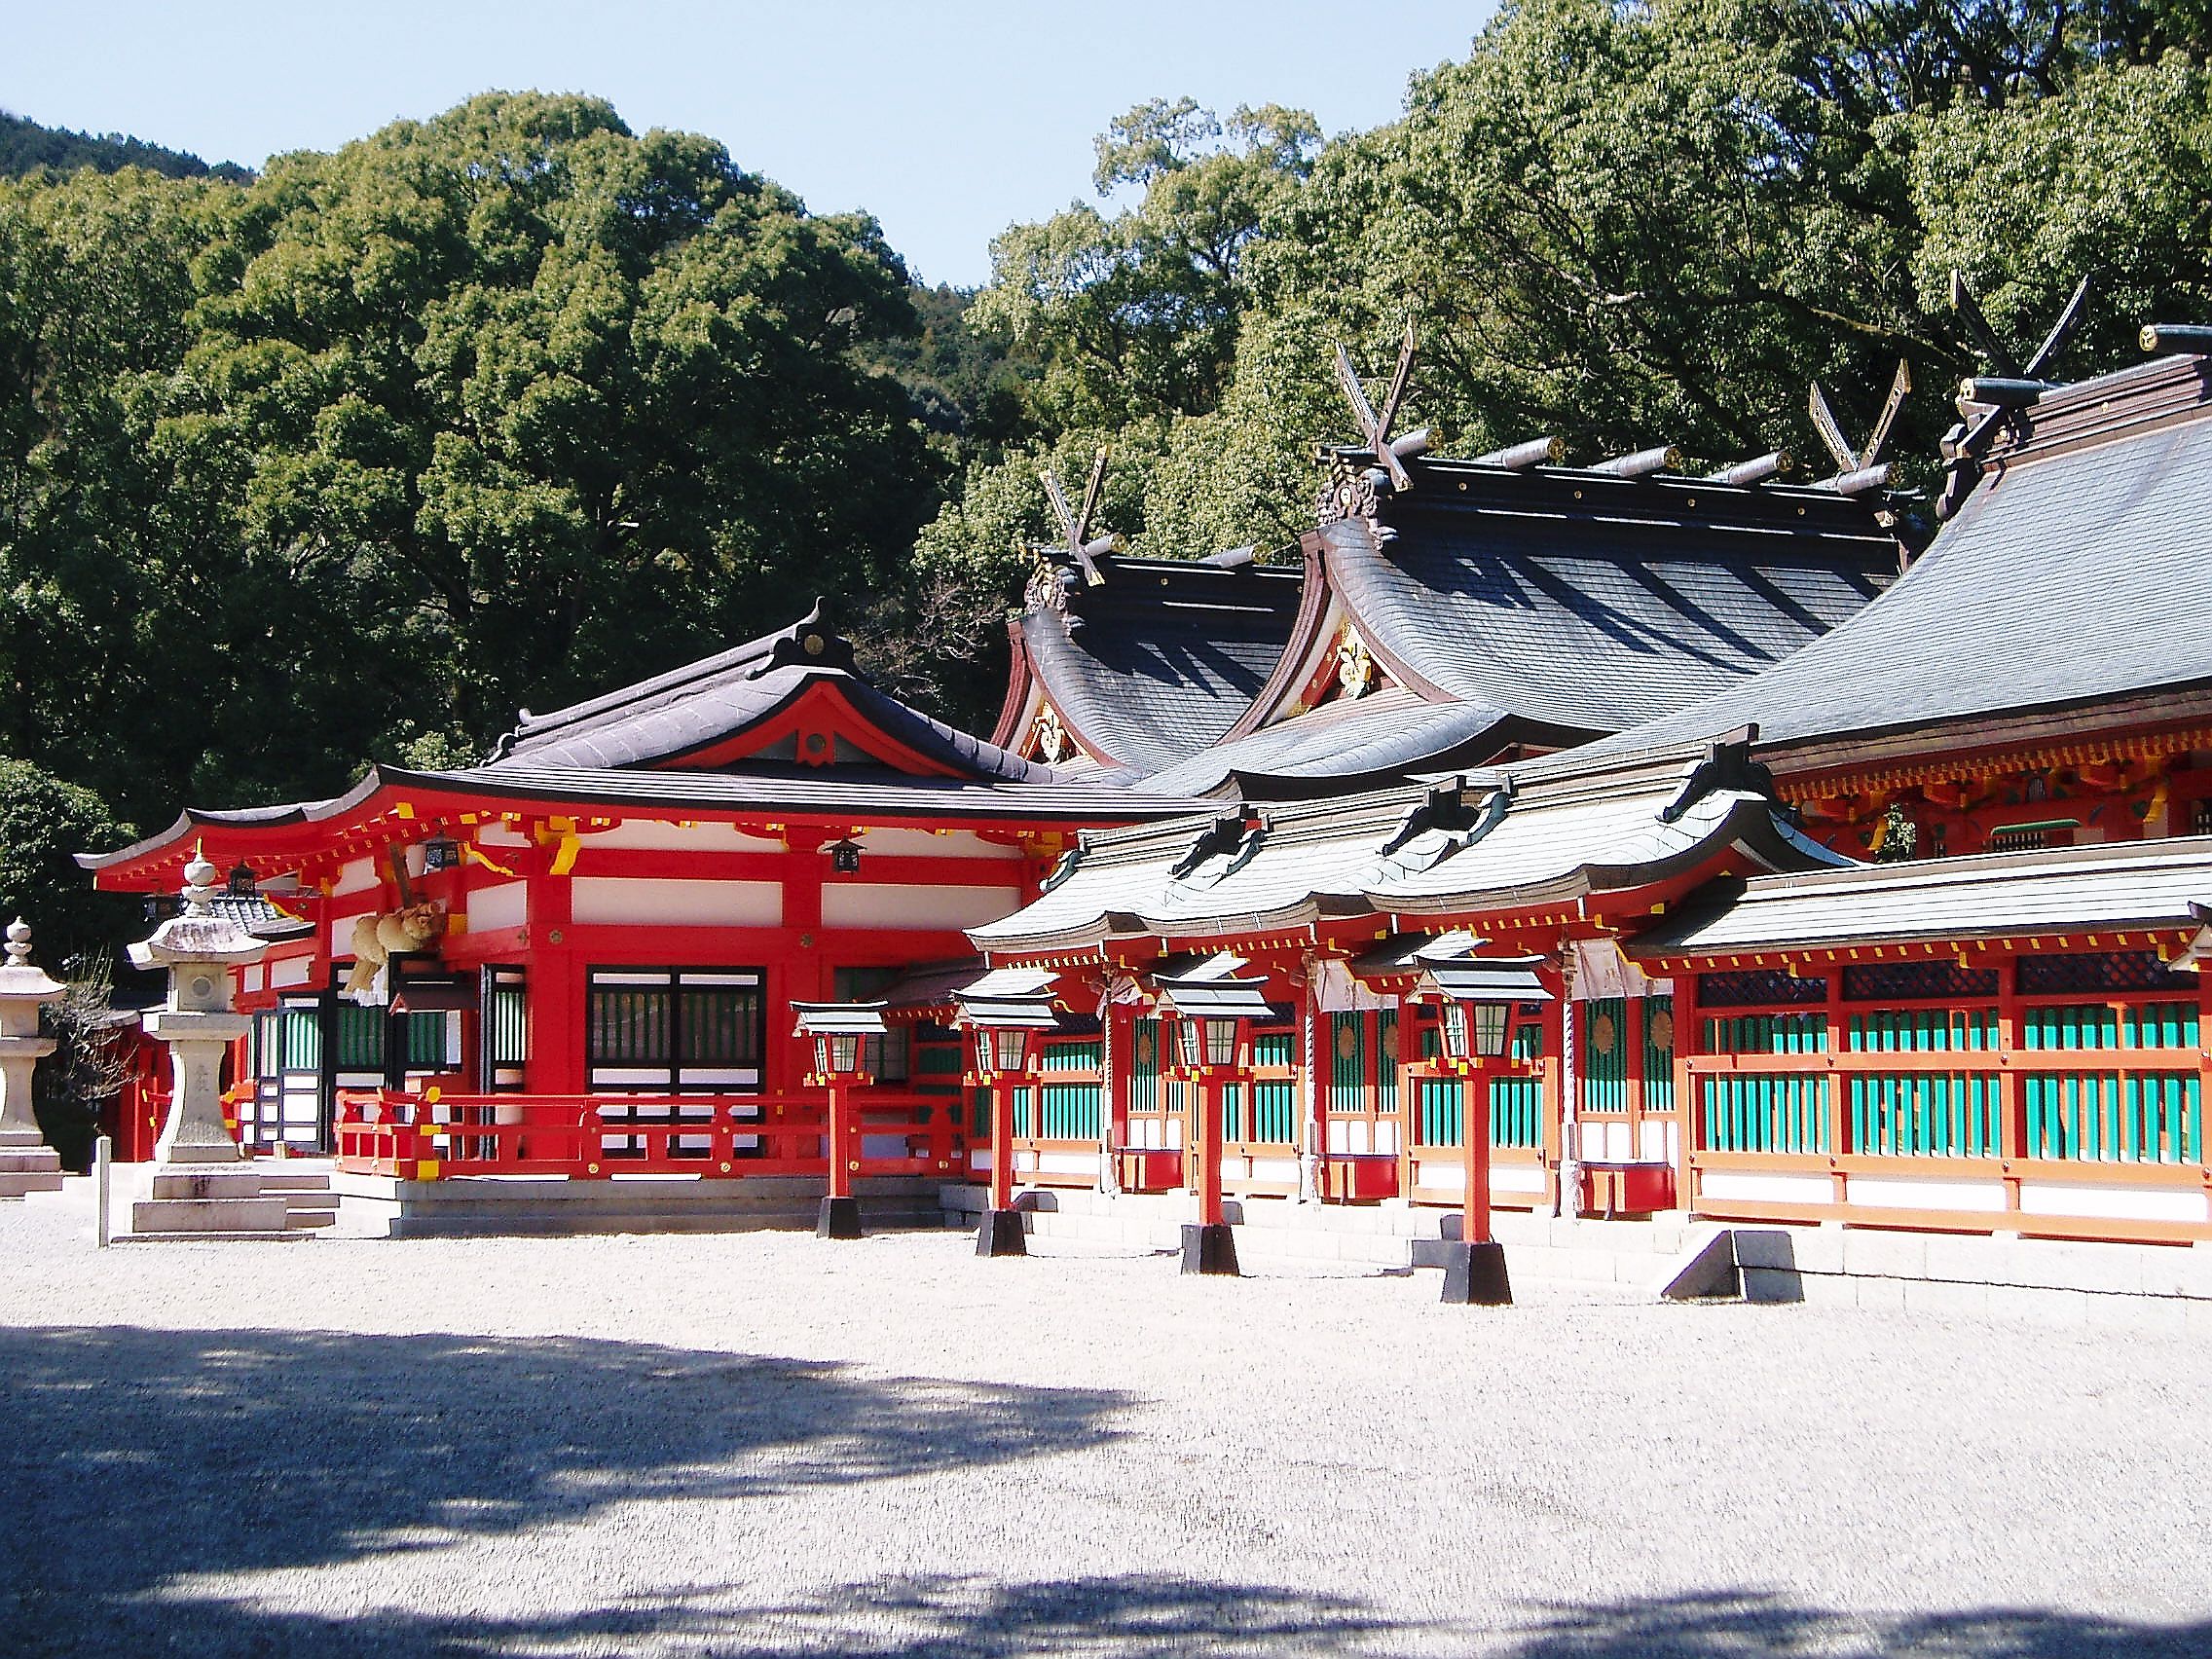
[{"x": 770, "y": 1445}]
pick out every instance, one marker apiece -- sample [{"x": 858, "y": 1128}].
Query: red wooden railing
[{"x": 434, "y": 1135}]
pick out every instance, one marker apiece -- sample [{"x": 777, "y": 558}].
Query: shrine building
[{"x": 1570, "y": 839}]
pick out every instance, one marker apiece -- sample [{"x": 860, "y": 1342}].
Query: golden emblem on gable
[{"x": 1355, "y": 665}]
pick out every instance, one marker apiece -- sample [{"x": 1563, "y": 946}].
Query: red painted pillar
[
  {"x": 840, "y": 1137},
  {"x": 1001, "y": 1145},
  {"x": 1474, "y": 1127},
  {"x": 1209, "y": 1150}
]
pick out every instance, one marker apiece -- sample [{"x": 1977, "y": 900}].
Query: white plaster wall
[
  {"x": 1767, "y": 1189},
  {"x": 614, "y": 901},
  {"x": 491, "y": 908},
  {"x": 928, "y": 844},
  {"x": 291, "y": 970},
  {"x": 875, "y": 905},
  {"x": 355, "y": 877},
  {"x": 500, "y": 835},
  {"x": 2132, "y": 1203},
  {"x": 1904, "y": 1192}
]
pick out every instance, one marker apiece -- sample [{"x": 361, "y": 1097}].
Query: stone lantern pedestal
[
  {"x": 28, "y": 1164},
  {"x": 204, "y": 1184}
]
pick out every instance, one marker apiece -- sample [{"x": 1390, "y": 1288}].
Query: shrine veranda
[{"x": 1660, "y": 738}]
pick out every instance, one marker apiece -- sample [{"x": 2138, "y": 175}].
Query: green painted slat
[
  {"x": 1275, "y": 1112},
  {"x": 1765, "y": 1114},
  {"x": 1144, "y": 1066},
  {"x": 1071, "y": 1056},
  {"x": 1232, "y": 1111},
  {"x": 1440, "y": 1108},
  {"x": 1347, "y": 1062},
  {"x": 1069, "y": 1111},
  {"x": 1658, "y": 1053},
  {"x": 1386, "y": 1039},
  {"x": 1274, "y": 1049},
  {"x": 1021, "y": 1103},
  {"x": 1603, "y": 1022},
  {"x": 1515, "y": 1112}
]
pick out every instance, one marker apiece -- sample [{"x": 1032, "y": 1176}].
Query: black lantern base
[
  {"x": 1001, "y": 1235},
  {"x": 838, "y": 1218},
  {"x": 1210, "y": 1248},
  {"x": 1474, "y": 1274}
]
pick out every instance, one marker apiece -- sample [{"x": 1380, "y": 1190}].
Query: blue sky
[{"x": 949, "y": 122}]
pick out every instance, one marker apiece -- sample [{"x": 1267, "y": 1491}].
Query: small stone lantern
[
  {"x": 28, "y": 1164},
  {"x": 199, "y": 948}
]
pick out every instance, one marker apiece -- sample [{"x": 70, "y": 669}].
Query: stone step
[
  {"x": 281, "y": 1180},
  {"x": 235, "y": 1181},
  {"x": 298, "y": 1220},
  {"x": 29, "y": 1161},
  {"x": 209, "y": 1215},
  {"x": 22, "y": 1183}
]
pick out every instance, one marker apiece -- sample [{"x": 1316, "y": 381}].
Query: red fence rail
[{"x": 433, "y": 1136}]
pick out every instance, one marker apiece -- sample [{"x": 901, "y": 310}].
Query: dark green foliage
[
  {"x": 44, "y": 823},
  {"x": 1618, "y": 223},
  {"x": 28, "y": 149}
]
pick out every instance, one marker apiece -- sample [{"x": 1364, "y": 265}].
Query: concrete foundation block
[
  {"x": 1887, "y": 1255},
  {"x": 1773, "y": 1284},
  {"x": 1946, "y": 1299},
  {"x": 210, "y": 1215}
]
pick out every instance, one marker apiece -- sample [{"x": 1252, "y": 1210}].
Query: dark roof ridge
[{"x": 790, "y": 643}]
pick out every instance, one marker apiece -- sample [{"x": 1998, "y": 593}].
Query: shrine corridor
[{"x": 772, "y": 1445}]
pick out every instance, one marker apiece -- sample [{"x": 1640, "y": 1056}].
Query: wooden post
[
  {"x": 1474, "y": 1267},
  {"x": 1474, "y": 1129},
  {"x": 1210, "y": 1246},
  {"x": 840, "y": 1214},
  {"x": 2012, "y": 1087},
  {"x": 1001, "y": 1233},
  {"x": 1689, "y": 1040}
]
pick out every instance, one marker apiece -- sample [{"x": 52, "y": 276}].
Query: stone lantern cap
[
  {"x": 24, "y": 986},
  {"x": 199, "y": 935}
]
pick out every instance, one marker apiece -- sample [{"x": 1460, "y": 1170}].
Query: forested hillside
[
  {"x": 27, "y": 148},
  {"x": 352, "y": 458}
]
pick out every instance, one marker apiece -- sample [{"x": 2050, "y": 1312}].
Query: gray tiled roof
[
  {"x": 1162, "y": 658},
  {"x": 1590, "y": 603},
  {"x": 1365, "y": 741},
  {"x": 2125, "y": 885},
  {"x": 2081, "y": 568},
  {"x": 661, "y": 720},
  {"x": 1569, "y": 834}
]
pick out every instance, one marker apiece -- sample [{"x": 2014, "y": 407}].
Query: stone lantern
[
  {"x": 202, "y": 1183},
  {"x": 28, "y": 1164},
  {"x": 199, "y": 948}
]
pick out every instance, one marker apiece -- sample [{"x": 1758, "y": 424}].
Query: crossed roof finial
[
  {"x": 1848, "y": 460},
  {"x": 2014, "y": 387},
  {"x": 1074, "y": 528},
  {"x": 1375, "y": 423}
]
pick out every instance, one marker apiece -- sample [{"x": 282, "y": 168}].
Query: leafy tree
[{"x": 44, "y": 823}]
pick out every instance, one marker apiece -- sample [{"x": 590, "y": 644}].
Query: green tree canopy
[{"x": 1622, "y": 225}]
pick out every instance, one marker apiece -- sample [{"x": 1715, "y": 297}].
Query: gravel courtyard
[{"x": 768, "y": 1445}]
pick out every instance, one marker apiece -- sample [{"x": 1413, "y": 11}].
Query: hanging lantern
[
  {"x": 845, "y": 857},
  {"x": 838, "y": 1053},
  {"x": 1002, "y": 1051},
  {"x": 242, "y": 883},
  {"x": 1475, "y": 1030},
  {"x": 441, "y": 852}
]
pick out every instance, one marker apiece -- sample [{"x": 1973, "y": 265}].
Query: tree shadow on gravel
[
  {"x": 135, "y": 1455},
  {"x": 1127, "y": 1616}
]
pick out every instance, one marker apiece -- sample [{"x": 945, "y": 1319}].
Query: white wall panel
[
  {"x": 876, "y": 904},
  {"x": 614, "y": 901}
]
